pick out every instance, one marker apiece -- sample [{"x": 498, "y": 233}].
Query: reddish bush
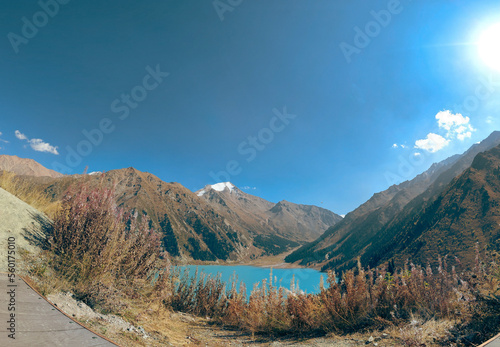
[{"x": 98, "y": 246}]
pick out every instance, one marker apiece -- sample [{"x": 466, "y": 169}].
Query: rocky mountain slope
[
  {"x": 465, "y": 213},
  {"x": 22, "y": 166},
  {"x": 274, "y": 227},
  {"x": 341, "y": 244}
]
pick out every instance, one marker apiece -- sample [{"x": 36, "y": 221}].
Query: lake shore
[{"x": 268, "y": 261}]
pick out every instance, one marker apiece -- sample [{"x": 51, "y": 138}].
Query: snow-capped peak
[
  {"x": 218, "y": 187},
  {"x": 221, "y": 186}
]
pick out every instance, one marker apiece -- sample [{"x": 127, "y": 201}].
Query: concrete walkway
[
  {"x": 36, "y": 321},
  {"x": 494, "y": 342}
]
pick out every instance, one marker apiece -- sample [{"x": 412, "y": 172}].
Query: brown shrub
[{"x": 102, "y": 250}]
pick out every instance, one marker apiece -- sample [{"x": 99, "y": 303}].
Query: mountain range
[
  {"x": 447, "y": 210},
  {"x": 22, "y": 166},
  {"x": 220, "y": 222},
  {"x": 274, "y": 227},
  {"x": 396, "y": 224},
  {"x": 466, "y": 212}
]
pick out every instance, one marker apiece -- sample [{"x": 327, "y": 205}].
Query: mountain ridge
[
  {"x": 341, "y": 244},
  {"x": 465, "y": 213},
  {"x": 25, "y": 166},
  {"x": 285, "y": 219}
]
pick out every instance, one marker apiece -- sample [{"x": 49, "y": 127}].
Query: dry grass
[
  {"x": 416, "y": 305},
  {"x": 360, "y": 300},
  {"x": 27, "y": 193},
  {"x": 419, "y": 332}
]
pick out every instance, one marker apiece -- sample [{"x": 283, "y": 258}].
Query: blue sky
[{"x": 314, "y": 102}]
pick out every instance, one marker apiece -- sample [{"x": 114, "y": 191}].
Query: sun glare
[{"x": 489, "y": 46}]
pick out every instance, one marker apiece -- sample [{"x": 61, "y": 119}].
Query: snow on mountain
[
  {"x": 218, "y": 187},
  {"x": 221, "y": 186}
]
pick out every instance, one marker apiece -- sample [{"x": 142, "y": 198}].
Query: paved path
[
  {"x": 494, "y": 342},
  {"x": 37, "y": 322}
]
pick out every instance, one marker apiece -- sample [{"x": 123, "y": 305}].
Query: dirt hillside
[{"x": 22, "y": 222}]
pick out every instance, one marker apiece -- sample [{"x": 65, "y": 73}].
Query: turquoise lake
[{"x": 308, "y": 279}]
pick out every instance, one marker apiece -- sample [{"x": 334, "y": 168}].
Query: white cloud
[
  {"x": 456, "y": 125},
  {"x": 398, "y": 146},
  {"x": 417, "y": 154},
  {"x": 40, "y": 146},
  {"x": 432, "y": 143},
  {"x": 448, "y": 120},
  {"x": 464, "y": 135},
  {"x": 37, "y": 144},
  {"x": 20, "y": 135},
  {"x": 249, "y": 188}
]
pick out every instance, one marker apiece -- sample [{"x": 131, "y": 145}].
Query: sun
[{"x": 489, "y": 46}]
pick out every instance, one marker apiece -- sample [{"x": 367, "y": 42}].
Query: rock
[{"x": 143, "y": 332}]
